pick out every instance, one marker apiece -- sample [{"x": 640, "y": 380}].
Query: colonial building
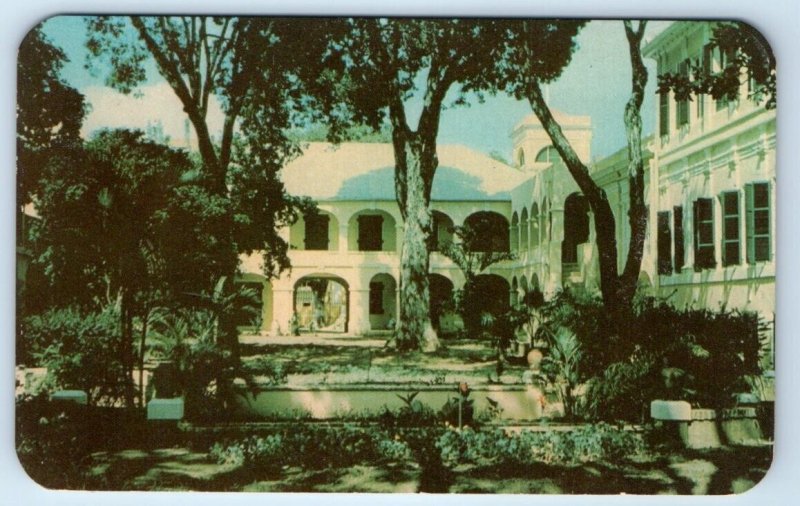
[{"x": 710, "y": 187}]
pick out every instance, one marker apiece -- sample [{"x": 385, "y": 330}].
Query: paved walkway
[{"x": 317, "y": 340}]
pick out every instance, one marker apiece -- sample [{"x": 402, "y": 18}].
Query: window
[
  {"x": 664, "y": 244},
  {"x": 548, "y": 154},
  {"x": 680, "y": 254},
  {"x": 682, "y": 116},
  {"x": 704, "y": 234},
  {"x": 759, "y": 237},
  {"x": 706, "y": 60},
  {"x": 724, "y": 58},
  {"x": 663, "y": 114},
  {"x": 730, "y": 229},
  {"x": 375, "y": 298},
  {"x": 370, "y": 233},
  {"x": 316, "y": 231}
]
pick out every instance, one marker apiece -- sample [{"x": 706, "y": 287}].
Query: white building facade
[{"x": 710, "y": 187}]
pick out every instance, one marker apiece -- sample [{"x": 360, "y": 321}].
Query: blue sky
[{"x": 596, "y": 83}]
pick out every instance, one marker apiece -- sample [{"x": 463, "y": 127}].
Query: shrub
[
  {"x": 590, "y": 443},
  {"x": 701, "y": 356},
  {"x": 81, "y": 350},
  {"x": 308, "y": 446}
]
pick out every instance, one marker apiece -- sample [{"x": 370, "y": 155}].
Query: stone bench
[{"x": 165, "y": 409}]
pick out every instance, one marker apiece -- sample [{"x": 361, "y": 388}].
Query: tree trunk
[
  {"x": 604, "y": 222},
  {"x": 413, "y": 181},
  {"x": 142, "y": 343}
]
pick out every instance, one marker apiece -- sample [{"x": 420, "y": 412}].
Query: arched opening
[
  {"x": 442, "y": 231},
  {"x": 523, "y": 230},
  {"x": 382, "y": 302},
  {"x": 514, "y": 291},
  {"x": 576, "y": 227},
  {"x": 490, "y": 232},
  {"x": 520, "y": 158},
  {"x": 544, "y": 221},
  {"x": 535, "y": 238},
  {"x": 315, "y": 231},
  {"x": 548, "y": 154},
  {"x": 514, "y": 232},
  {"x": 371, "y": 230},
  {"x": 441, "y": 305},
  {"x": 523, "y": 285},
  {"x": 321, "y": 303},
  {"x": 486, "y": 298}
]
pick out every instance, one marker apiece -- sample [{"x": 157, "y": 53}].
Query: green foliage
[
  {"x": 701, "y": 356},
  {"x": 49, "y": 112},
  {"x": 744, "y": 50},
  {"x": 311, "y": 447},
  {"x": 587, "y": 443},
  {"x": 412, "y": 414},
  {"x": 202, "y": 369},
  {"x": 81, "y": 350}
]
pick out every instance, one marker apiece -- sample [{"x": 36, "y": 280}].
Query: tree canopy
[
  {"x": 49, "y": 112},
  {"x": 375, "y": 68},
  {"x": 743, "y": 52}
]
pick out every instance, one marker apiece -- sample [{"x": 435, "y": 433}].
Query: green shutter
[{"x": 750, "y": 223}]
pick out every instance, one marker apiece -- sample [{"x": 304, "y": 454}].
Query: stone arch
[
  {"x": 514, "y": 232},
  {"x": 442, "y": 230},
  {"x": 520, "y": 158},
  {"x": 486, "y": 293},
  {"x": 491, "y": 231},
  {"x": 523, "y": 230},
  {"x": 523, "y": 285},
  {"x": 514, "y": 291},
  {"x": 321, "y": 302},
  {"x": 576, "y": 227},
  {"x": 372, "y": 230},
  {"x": 548, "y": 154},
  {"x": 544, "y": 221},
  {"x": 317, "y": 230},
  {"x": 441, "y": 297},
  {"x": 382, "y": 301}
]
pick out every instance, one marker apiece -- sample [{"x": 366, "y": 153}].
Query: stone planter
[
  {"x": 741, "y": 426},
  {"x": 701, "y": 431}
]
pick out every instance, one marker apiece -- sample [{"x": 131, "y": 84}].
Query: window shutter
[{"x": 750, "y": 223}]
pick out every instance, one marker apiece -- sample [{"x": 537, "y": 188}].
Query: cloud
[{"x": 154, "y": 104}]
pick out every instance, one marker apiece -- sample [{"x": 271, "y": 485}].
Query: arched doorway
[
  {"x": 490, "y": 231},
  {"x": 321, "y": 303},
  {"x": 382, "y": 302},
  {"x": 442, "y": 231},
  {"x": 485, "y": 295},
  {"x": 441, "y": 305},
  {"x": 576, "y": 227}
]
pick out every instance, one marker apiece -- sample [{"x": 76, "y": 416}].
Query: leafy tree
[
  {"x": 255, "y": 67},
  {"x": 49, "y": 112},
  {"x": 374, "y": 69},
  {"x": 105, "y": 226},
  {"x": 517, "y": 74},
  {"x": 745, "y": 52}
]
